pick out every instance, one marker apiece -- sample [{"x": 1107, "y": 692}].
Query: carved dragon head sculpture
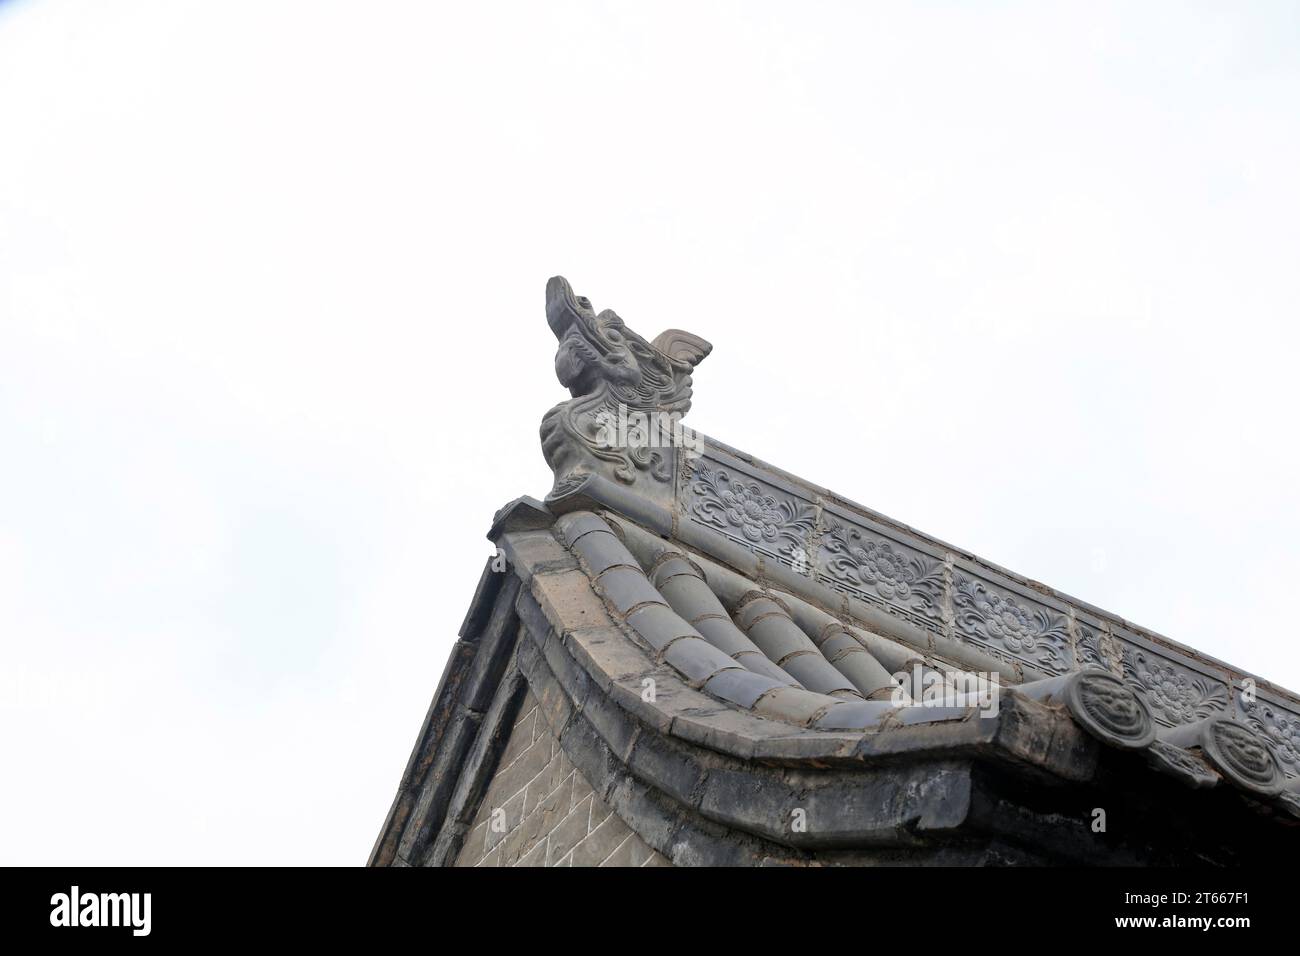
[{"x": 625, "y": 391}]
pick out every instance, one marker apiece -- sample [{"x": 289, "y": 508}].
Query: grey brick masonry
[{"x": 539, "y": 810}]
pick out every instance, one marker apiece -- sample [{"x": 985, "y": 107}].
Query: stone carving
[
  {"x": 567, "y": 484},
  {"x": 1109, "y": 710},
  {"x": 622, "y": 425},
  {"x": 1281, "y": 728},
  {"x": 1175, "y": 696},
  {"x": 628, "y": 394},
  {"x": 1093, "y": 648},
  {"x": 1289, "y": 800},
  {"x": 1185, "y": 766},
  {"x": 1028, "y": 632},
  {"x": 743, "y": 508},
  {"x": 878, "y": 567},
  {"x": 1242, "y": 757}
]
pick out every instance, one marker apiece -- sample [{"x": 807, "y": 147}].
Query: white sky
[{"x": 272, "y": 348}]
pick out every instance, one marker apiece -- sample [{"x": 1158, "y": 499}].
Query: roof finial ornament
[{"x": 629, "y": 396}]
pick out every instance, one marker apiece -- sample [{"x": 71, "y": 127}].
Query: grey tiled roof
[
  {"x": 904, "y": 582},
  {"x": 713, "y": 641},
  {"x": 746, "y": 641}
]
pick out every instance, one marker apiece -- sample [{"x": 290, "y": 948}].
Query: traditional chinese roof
[{"x": 686, "y": 655}]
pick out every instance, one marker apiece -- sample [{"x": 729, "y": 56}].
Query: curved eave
[{"x": 705, "y": 772}]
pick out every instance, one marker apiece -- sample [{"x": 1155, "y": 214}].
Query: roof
[{"x": 742, "y": 667}]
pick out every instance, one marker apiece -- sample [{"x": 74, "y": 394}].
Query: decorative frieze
[
  {"x": 905, "y": 574},
  {"x": 748, "y": 512},
  {"x": 1279, "y": 726},
  {"x": 1175, "y": 694},
  {"x": 1094, "y": 647},
  {"x": 1025, "y": 630},
  {"x": 885, "y": 573}
]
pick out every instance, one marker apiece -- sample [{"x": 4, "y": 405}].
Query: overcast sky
[{"x": 272, "y": 348}]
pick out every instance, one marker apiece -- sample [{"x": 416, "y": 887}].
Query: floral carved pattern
[
  {"x": 897, "y": 576},
  {"x": 744, "y": 509},
  {"x": 1175, "y": 696},
  {"x": 1096, "y": 648},
  {"x": 1282, "y": 728},
  {"x": 1033, "y": 634}
]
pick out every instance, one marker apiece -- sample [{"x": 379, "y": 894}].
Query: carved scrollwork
[
  {"x": 628, "y": 394},
  {"x": 744, "y": 509},
  {"x": 1175, "y": 696},
  {"x": 877, "y": 566},
  {"x": 567, "y": 484},
  {"x": 1280, "y": 727},
  {"x": 1094, "y": 648},
  {"x": 1027, "y": 632}
]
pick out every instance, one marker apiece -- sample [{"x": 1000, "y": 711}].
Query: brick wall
[{"x": 540, "y": 811}]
